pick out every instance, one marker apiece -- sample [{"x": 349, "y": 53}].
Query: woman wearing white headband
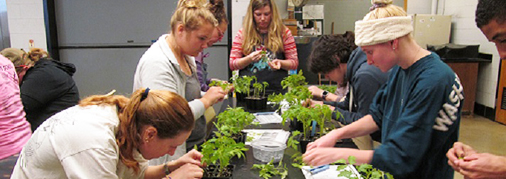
[{"x": 418, "y": 111}]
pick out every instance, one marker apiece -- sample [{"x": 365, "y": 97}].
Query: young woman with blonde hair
[
  {"x": 263, "y": 30},
  {"x": 418, "y": 110},
  {"x": 47, "y": 86},
  {"x": 108, "y": 136},
  {"x": 169, "y": 64}
]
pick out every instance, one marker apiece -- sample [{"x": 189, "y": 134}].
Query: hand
[
  {"x": 314, "y": 103},
  {"x": 483, "y": 165},
  {"x": 213, "y": 95},
  {"x": 315, "y": 91},
  {"x": 275, "y": 64},
  {"x": 255, "y": 56},
  {"x": 457, "y": 153},
  {"x": 192, "y": 157},
  {"x": 187, "y": 171},
  {"x": 328, "y": 140},
  {"x": 321, "y": 156}
]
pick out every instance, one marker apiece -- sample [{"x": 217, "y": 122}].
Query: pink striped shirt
[
  {"x": 14, "y": 129},
  {"x": 290, "y": 50}
]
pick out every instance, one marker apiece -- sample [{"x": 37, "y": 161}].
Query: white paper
[
  {"x": 330, "y": 173},
  {"x": 313, "y": 12},
  {"x": 266, "y": 134},
  {"x": 267, "y": 117}
]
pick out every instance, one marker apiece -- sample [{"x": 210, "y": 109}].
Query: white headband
[{"x": 372, "y": 32}]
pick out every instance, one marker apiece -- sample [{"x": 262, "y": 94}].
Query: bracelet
[{"x": 166, "y": 169}]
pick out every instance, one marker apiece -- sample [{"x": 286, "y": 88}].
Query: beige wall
[{"x": 26, "y": 21}]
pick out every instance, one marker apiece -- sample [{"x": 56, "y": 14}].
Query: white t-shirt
[{"x": 78, "y": 142}]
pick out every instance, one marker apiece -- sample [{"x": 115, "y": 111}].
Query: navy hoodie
[{"x": 365, "y": 80}]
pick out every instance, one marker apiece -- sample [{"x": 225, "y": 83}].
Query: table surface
[{"x": 243, "y": 165}]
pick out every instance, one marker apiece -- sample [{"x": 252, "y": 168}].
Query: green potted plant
[
  {"x": 367, "y": 171},
  {"x": 269, "y": 170},
  {"x": 232, "y": 121},
  {"x": 217, "y": 154},
  {"x": 257, "y": 99}
]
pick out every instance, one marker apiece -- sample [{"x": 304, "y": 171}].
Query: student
[
  {"x": 264, "y": 31},
  {"x": 339, "y": 59},
  {"x": 417, "y": 111},
  {"x": 491, "y": 19},
  {"x": 109, "y": 136},
  {"x": 217, "y": 7},
  {"x": 47, "y": 86},
  {"x": 14, "y": 128},
  {"x": 169, "y": 64}
]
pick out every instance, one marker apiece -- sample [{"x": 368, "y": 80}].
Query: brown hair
[
  {"x": 17, "y": 57},
  {"x": 251, "y": 35},
  {"x": 37, "y": 53},
  {"x": 217, "y": 8},
  {"x": 168, "y": 112},
  {"x": 192, "y": 14},
  {"x": 329, "y": 51}
]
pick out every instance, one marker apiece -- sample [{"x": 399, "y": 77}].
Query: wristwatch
[
  {"x": 166, "y": 169},
  {"x": 325, "y": 94}
]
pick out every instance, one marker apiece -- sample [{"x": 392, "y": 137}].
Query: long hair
[
  {"x": 217, "y": 8},
  {"x": 192, "y": 14},
  {"x": 329, "y": 51},
  {"x": 168, "y": 112},
  {"x": 488, "y": 10},
  {"x": 252, "y": 36}
]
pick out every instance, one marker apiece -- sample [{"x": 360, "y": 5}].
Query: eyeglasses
[{"x": 221, "y": 34}]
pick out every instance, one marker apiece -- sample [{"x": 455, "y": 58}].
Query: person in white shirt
[{"x": 111, "y": 136}]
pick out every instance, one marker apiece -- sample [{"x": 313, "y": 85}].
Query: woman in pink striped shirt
[{"x": 264, "y": 35}]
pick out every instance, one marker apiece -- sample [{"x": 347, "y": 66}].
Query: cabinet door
[{"x": 500, "y": 115}]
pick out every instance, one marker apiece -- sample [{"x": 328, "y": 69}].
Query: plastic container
[{"x": 265, "y": 150}]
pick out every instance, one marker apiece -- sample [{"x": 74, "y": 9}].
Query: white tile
[{"x": 26, "y": 26}]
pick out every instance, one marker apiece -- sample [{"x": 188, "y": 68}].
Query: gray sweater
[{"x": 158, "y": 69}]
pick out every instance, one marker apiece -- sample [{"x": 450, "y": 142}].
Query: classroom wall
[{"x": 26, "y": 22}]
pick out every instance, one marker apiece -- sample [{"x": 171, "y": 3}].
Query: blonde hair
[
  {"x": 384, "y": 8},
  {"x": 192, "y": 14},
  {"x": 168, "y": 112},
  {"x": 275, "y": 33},
  {"x": 18, "y": 57}
]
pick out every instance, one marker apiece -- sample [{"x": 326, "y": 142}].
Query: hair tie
[
  {"x": 145, "y": 94},
  {"x": 377, "y": 5}
]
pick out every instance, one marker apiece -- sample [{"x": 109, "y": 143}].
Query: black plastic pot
[
  {"x": 296, "y": 125},
  {"x": 303, "y": 144},
  {"x": 240, "y": 137},
  {"x": 256, "y": 103},
  {"x": 212, "y": 171}
]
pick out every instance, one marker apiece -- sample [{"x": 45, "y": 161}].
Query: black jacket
[{"x": 48, "y": 88}]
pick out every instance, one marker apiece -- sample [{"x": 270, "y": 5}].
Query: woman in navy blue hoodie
[
  {"x": 417, "y": 111},
  {"x": 46, "y": 85}
]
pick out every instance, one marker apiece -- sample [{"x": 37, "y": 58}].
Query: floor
[{"x": 483, "y": 135}]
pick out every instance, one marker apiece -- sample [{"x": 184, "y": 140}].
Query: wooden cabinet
[
  {"x": 468, "y": 74},
  {"x": 500, "y": 113}
]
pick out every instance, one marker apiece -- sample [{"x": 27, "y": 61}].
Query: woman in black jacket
[{"x": 46, "y": 85}]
